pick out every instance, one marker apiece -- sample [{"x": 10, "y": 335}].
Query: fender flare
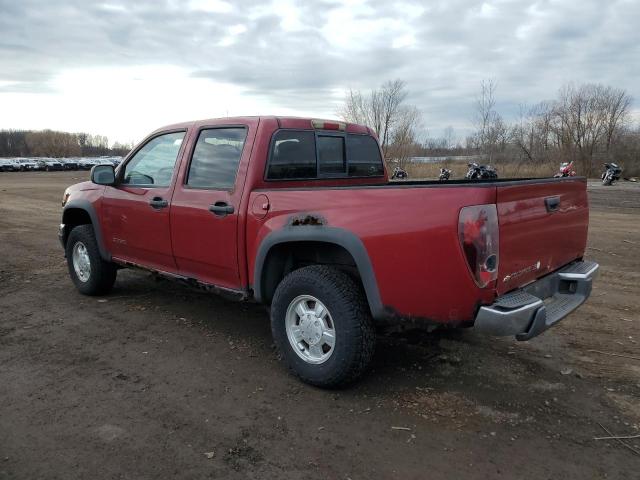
[
  {"x": 95, "y": 223},
  {"x": 337, "y": 236}
]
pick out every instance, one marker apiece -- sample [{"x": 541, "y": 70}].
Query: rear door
[
  {"x": 543, "y": 226},
  {"x": 205, "y": 208}
]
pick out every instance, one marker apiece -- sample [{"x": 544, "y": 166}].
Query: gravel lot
[{"x": 152, "y": 380}]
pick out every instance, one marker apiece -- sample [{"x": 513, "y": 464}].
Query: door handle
[
  {"x": 552, "y": 203},
  {"x": 221, "y": 209},
  {"x": 158, "y": 202}
]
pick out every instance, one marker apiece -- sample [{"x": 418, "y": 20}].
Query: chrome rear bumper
[{"x": 529, "y": 311}]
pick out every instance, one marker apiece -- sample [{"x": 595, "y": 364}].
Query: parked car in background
[
  {"x": 49, "y": 164},
  {"x": 7, "y": 165},
  {"x": 12, "y": 165},
  {"x": 86, "y": 163},
  {"x": 298, "y": 214},
  {"x": 104, "y": 161},
  {"x": 69, "y": 163},
  {"x": 28, "y": 164}
]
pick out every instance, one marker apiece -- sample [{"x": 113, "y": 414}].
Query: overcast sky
[{"x": 123, "y": 69}]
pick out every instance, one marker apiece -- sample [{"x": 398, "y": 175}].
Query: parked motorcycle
[
  {"x": 611, "y": 173},
  {"x": 480, "y": 172},
  {"x": 445, "y": 173},
  {"x": 399, "y": 173},
  {"x": 566, "y": 170}
]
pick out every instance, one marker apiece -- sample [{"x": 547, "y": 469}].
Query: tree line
[
  {"x": 51, "y": 143},
  {"x": 587, "y": 123}
]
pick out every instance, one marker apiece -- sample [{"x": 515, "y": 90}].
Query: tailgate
[{"x": 543, "y": 226}]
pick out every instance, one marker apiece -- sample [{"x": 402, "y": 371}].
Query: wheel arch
[
  {"x": 330, "y": 243},
  {"x": 82, "y": 212}
]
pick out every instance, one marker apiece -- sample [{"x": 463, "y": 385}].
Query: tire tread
[
  {"x": 103, "y": 273},
  {"x": 361, "y": 332}
]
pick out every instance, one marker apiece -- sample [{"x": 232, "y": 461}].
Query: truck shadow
[{"x": 403, "y": 360}]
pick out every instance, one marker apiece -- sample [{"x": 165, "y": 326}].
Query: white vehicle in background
[
  {"x": 28, "y": 164},
  {"x": 50, "y": 164},
  {"x": 7, "y": 165}
]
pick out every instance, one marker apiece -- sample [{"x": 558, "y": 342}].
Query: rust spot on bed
[{"x": 308, "y": 219}]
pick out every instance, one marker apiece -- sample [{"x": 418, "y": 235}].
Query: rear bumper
[{"x": 529, "y": 311}]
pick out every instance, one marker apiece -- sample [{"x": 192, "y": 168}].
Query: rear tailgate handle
[
  {"x": 221, "y": 209},
  {"x": 552, "y": 203}
]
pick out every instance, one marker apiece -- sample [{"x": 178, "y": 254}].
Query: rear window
[
  {"x": 331, "y": 155},
  {"x": 304, "y": 154},
  {"x": 364, "y": 156},
  {"x": 293, "y": 155}
]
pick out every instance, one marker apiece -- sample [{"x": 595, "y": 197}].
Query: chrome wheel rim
[
  {"x": 81, "y": 261},
  {"x": 310, "y": 329}
]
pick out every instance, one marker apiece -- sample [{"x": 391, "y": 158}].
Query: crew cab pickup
[{"x": 298, "y": 214}]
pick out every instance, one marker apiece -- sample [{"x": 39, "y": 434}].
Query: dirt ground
[{"x": 152, "y": 380}]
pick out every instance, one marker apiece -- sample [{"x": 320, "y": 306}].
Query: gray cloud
[{"x": 530, "y": 48}]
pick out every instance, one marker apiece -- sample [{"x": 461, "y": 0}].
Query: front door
[
  {"x": 137, "y": 209},
  {"x": 206, "y": 204}
]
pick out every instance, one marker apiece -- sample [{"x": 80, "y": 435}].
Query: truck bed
[{"x": 410, "y": 231}]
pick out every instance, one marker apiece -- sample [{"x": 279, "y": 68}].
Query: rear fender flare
[{"x": 332, "y": 235}]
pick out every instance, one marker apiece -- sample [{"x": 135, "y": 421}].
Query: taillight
[{"x": 478, "y": 233}]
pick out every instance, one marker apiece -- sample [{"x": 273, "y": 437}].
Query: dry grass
[{"x": 430, "y": 171}]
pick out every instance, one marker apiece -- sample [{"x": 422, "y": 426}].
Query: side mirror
[{"x": 103, "y": 175}]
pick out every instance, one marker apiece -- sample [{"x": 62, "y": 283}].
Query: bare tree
[
  {"x": 405, "y": 143},
  {"x": 586, "y": 120},
  {"x": 379, "y": 109},
  {"x": 492, "y": 133},
  {"x": 616, "y": 103},
  {"x": 448, "y": 136}
]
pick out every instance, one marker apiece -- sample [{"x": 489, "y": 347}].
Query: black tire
[
  {"x": 355, "y": 336},
  {"x": 102, "y": 274}
]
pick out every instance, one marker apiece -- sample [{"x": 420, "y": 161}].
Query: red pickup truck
[{"x": 298, "y": 214}]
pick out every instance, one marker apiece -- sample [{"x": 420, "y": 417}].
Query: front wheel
[
  {"x": 322, "y": 326},
  {"x": 89, "y": 272}
]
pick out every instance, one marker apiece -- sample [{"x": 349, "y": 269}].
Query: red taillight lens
[
  {"x": 327, "y": 125},
  {"x": 478, "y": 233}
]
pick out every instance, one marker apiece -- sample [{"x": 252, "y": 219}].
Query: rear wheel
[
  {"x": 89, "y": 272},
  {"x": 322, "y": 326}
]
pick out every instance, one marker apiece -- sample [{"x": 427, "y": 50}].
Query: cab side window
[
  {"x": 293, "y": 155},
  {"x": 216, "y": 158},
  {"x": 153, "y": 164}
]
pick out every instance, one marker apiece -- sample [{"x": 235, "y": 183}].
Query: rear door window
[{"x": 215, "y": 159}]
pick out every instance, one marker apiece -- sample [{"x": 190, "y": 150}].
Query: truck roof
[{"x": 305, "y": 123}]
